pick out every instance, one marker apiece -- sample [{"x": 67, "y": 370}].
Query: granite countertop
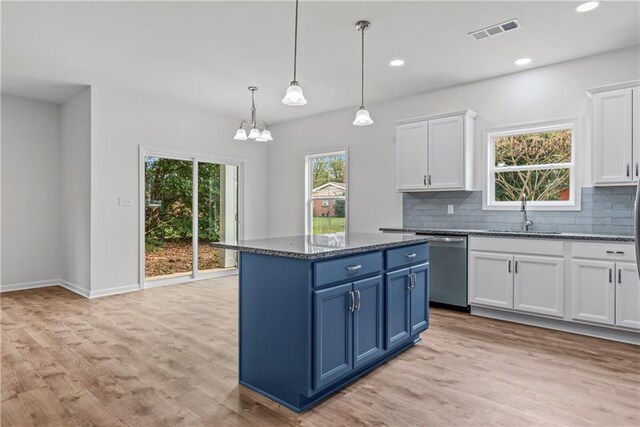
[
  {"x": 505, "y": 233},
  {"x": 322, "y": 245}
]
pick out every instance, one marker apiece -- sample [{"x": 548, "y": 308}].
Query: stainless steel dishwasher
[{"x": 448, "y": 272}]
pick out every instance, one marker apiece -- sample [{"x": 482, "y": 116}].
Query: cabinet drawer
[
  {"x": 604, "y": 251},
  {"x": 407, "y": 255},
  {"x": 346, "y": 269}
]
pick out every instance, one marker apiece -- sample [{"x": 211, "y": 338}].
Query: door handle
[
  {"x": 410, "y": 284},
  {"x": 429, "y": 179},
  {"x": 636, "y": 169},
  {"x": 628, "y": 169},
  {"x": 447, "y": 239},
  {"x": 358, "y": 301},
  {"x": 516, "y": 268},
  {"x": 354, "y": 267},
  {"x": 509, "y": 266},
  {"x": 352, "y": 305},
  {"x": 610, "y": 275},
  {"x": 424, "y": 180},
  {"x": 619, "y": 276}
]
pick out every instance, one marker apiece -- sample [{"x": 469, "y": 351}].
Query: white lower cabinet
[
  {"x": 593, "y": 291},
  {"x": 586, "y": 282},
  {"x": 627, "y": 295},
  {"x": 538, "y": 284},
  {"x": 491, "y": 279}
]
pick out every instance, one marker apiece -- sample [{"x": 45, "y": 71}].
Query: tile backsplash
[{"x": 605, "y": 210}]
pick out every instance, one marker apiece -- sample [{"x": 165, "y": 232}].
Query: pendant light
[
  {"x": 257, "y": 130},
  {"x": 362, "y": 116},
  {"x": 294, "y": 96}
]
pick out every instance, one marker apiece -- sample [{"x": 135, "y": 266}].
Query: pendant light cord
[
  {"x": 295, "y": 45},
  {"x": 362, "y": 88}
]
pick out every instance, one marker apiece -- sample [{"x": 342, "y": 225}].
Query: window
[
  {"x": 538, "y": 161},
  {"x": 326, "y": 193}
]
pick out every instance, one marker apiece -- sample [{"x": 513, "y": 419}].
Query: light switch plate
[
  {"x": 450, "y": 210},
  {"x": 124, "y": 202}
]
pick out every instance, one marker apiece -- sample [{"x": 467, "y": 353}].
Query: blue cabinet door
[
  {"x": 397, "y": 309},
  {"x": 333, "y": 334},
  {"x": 367, "y": 320},
  {"x": 420, "y": 298}
]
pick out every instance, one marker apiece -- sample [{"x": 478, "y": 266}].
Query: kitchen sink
[{"x": 525, "y": 232}]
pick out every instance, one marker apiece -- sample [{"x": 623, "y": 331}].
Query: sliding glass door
[{"x": 189, "y": 203}]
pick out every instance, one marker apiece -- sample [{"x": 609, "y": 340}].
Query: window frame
[
  {"x": 489, "y": 202},
  {"x": 308, "y": 184}
]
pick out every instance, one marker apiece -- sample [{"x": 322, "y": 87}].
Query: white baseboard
[
  {"x": 45, "y": 284},
  {"x": 114, "y": 291},
  {"x": 559, "y": 325}
]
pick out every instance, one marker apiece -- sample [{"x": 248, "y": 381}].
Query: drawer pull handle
[
  {"x": 616, "y": 252},
  {"x": 410, "y": 255},
  {"x": 354, "y": 267}
]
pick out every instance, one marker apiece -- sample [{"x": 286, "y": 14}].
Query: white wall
[
  {"x": 31, "y": 216},
  {"x": 556, "y": 91},
  {"x": 122, "y": 120},
  {"x": 75, "y": 188}
]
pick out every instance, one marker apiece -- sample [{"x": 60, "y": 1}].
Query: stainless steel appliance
[{"x": 448, "y": 272}]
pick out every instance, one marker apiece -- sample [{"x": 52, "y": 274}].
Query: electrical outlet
[
  {"x": 450, "y": 210},
  {"x": 124, "y": 202}
]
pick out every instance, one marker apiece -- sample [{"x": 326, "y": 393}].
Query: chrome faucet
[{"x": 526, "y": 223}]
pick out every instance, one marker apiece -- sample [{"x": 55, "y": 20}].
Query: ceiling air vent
[{"x": 495, "y": 30}]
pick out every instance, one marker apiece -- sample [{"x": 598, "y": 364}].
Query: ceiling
[{"x": 207, "y": 53}]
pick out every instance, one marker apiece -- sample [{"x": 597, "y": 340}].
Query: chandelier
[{"x": 257, "y": 130}]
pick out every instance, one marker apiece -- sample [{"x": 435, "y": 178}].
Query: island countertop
[{"x": 322, "y": 245}]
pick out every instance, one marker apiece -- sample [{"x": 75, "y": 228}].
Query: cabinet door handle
[
  {"x": 628, "y": 169},
  {"x": 429, "y": 179},
  {"x": 410, "y": 255},
  {"x": 636, "y": 169},
  {"x": 516, "y": 267},
  {"x": 610, "y": 275},
  {"x": 424, "y": 180},
  {"x": 410, "y": 284},
  {"x": 509, "y": 266},
  {"x": 354, "y": 267},
  {"x": 619, "y": 276},
  {"x": 358, "y": 300},
  {"x": 352, "y": 305}
]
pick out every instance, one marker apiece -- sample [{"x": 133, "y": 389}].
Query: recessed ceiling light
[
  {"x": 523, "y": 61},
  {"x": 587, "y": 6},
  {"x": 397, "y": 63}
]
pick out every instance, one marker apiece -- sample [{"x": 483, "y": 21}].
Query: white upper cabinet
[
  {"x": 411, "y": 152},
  {"x": 635, "y": 126},
  {"x": 435, "y": 153},
  {"x": 616, "y": 153}
]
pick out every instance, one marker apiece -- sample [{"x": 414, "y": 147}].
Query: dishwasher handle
[{"x": 448, "y": 239}]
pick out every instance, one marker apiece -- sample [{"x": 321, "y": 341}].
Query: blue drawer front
[
  {"x": 347, "y": 269},
  {"x": 407, "y": 255}
]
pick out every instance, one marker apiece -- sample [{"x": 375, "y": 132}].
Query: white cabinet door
[
  {"x": 627, "y": 295},
  {"x": 593, "y": 291},
  {"x": 491, "y": 279},
  {"x": 612, "y": 137},
  {"x": 411, "y": 156},
  {"x": 446, "y": 156},
  {"x": 636, "y": 133},
  {"x": 538, "y": 285}
]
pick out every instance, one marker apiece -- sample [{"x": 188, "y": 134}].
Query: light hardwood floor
[{"x": 168, "y": 356}]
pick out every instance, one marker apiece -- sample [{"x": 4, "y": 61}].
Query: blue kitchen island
[{"x": 318, "y": 312}]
